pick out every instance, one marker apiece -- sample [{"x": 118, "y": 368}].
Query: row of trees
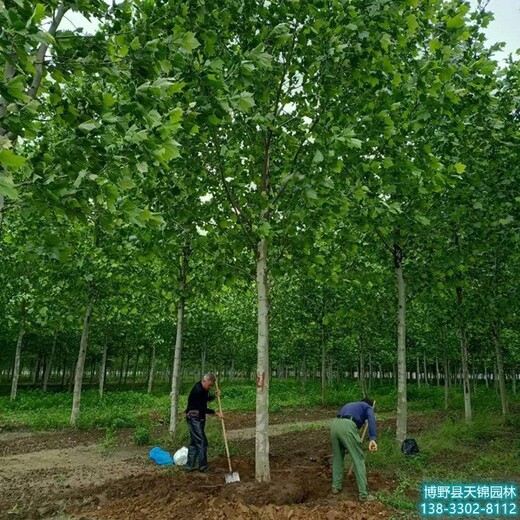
[{"x": 231, "y": 160}]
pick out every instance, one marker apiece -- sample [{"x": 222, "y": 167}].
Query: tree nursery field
[{"x": 315, "y": 201}]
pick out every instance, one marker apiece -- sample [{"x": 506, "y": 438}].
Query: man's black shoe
[
  {"x": 205, "y": 469},
  {"x": 188, "y": 469}
]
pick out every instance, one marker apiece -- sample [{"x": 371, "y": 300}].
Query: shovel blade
[{"x": 232, "y": 477}]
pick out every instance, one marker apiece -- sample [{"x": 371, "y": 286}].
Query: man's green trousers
[{"x": 344, "y": 436}]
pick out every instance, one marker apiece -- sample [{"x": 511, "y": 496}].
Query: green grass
[{"x": 132, "y": 409}]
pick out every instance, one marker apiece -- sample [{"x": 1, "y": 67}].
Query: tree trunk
[
  {"x": 71, "y": 376},
  {"x": 323, "y": 366},
  {"x": 63, "y": 373},
  {"x": 486, "y": 376},
  {"x": 127, "y": 367},
  {"x": 103, "y": 368},
  {"x": 17, "y": 357},
  {"x": 80, "y": 365},
  {"x": 48, "y": 365},
  {"x": 183, "y": 277},
  {"x": 121, "y": 370},
  {"x": 402, "y": 410},
  {"x": 151, "y": 370},
  {"x": 446, "y": 379},
  {"x": 468, "y": 413},
  {"x": 36, "y": 370},
  {"x": 2, "y": 206},
  {"x": 437, "y": 372},
  {"x": 362, "y": 378},
  {"x": 262, "y": 468},
  {"x": 417, "y": 374},
  {"x": 202, "y": 363},
  {"x": 136, "y": 366},
  {"x": 425, "y": 370},
  {"x": 500, "y": 368}
]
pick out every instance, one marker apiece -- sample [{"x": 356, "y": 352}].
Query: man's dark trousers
[{"x": 198, "y": 444}]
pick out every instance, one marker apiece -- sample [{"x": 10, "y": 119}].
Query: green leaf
[
  {"x": 456, "y": 22},
  {"x": 87, "y": 126},
  {"x": 189, "y": 42},
  {"x": 318, "y": 157},
  {"x": 311, "y": 194},
  {"x": 38, "y": 13},
  {"x": 108, "y": 100},
  {"x": 11, "y": 160},
  {"x": 412, "y": 22},
  {"x": 435, "y": 44},
  {"x": 142, "y": 167},
  {"x": 16, "y": 87},
  {"x": 135, "y": 44},
  {"x": 460, "y": 168},
  {"x": 7, "y": 188},
  {"x": 245, "y": 102}
]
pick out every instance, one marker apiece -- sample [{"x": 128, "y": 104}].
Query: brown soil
[{"x": 76, "y": 480}]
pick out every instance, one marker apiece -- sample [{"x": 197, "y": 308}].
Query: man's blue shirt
[{"x": 361, "y": 411}]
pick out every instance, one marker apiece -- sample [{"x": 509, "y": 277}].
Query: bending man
[{"x": 344, "y": 436}]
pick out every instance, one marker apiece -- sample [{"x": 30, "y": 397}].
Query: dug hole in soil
[{"x": 80, "y": 483}]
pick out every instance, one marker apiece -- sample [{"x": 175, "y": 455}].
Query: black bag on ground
[{"x": 410, "y": 447}]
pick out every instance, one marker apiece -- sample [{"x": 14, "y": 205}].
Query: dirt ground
[{"x": 65, "y": 475}]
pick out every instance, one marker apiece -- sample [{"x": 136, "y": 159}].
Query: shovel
[{"x": 232, "y": 476}]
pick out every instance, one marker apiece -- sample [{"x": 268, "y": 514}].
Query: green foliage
[
  {"x": 142, "y": 436},
  {"x": 109, "y": 442}
]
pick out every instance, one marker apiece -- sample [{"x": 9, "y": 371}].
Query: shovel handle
[{"x": 223, "y": 427}]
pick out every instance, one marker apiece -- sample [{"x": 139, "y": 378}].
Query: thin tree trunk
[
  {"x": 136, "y": 366},
  {"x": 49, "y": 364},
  {"x": 202, "y": 362},
  {"x": 362, "y": 379},
  {"x": 369, "y": 373},
  {"x": 418, "y": 374},
  {"x": 151, "y": 370},
  {"x": 63, "y": 373},
  {"x": 121, "y": 370},
  {"x": 323, "y": 366},
  {"x": 80, "y": 365},
  {"x": 486, "y": 376},
  {"x": 127, "y": 367},
  {"x": 437, "y": 372},
  {"x": 425, "y": 370},
  {"x": 18, "y": 355},
  {"x": 183, "y": 277},
  {"x": 500, "y": 367},
  {"x": 2, "y": 207},
  {"x": 446, "y": 379},
  {"x": 71, "y": 376},
  {"x": 92, "y": 372},
  {"x": 262, "y": 467},
  {"x": 103, "y": 368},
  {"x": 36, "y": 369},
  {"x": 468, "y": 413},
  {"x": 402, "y": 410}
]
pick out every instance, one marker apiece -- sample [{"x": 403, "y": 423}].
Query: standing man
[
  {"x": 196, "y": 412},
  {"x": 344, "y": 436}
]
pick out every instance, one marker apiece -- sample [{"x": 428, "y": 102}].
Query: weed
[
  {"x": 109, "y": 442},
  {"x": 142, "y": 436}
]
